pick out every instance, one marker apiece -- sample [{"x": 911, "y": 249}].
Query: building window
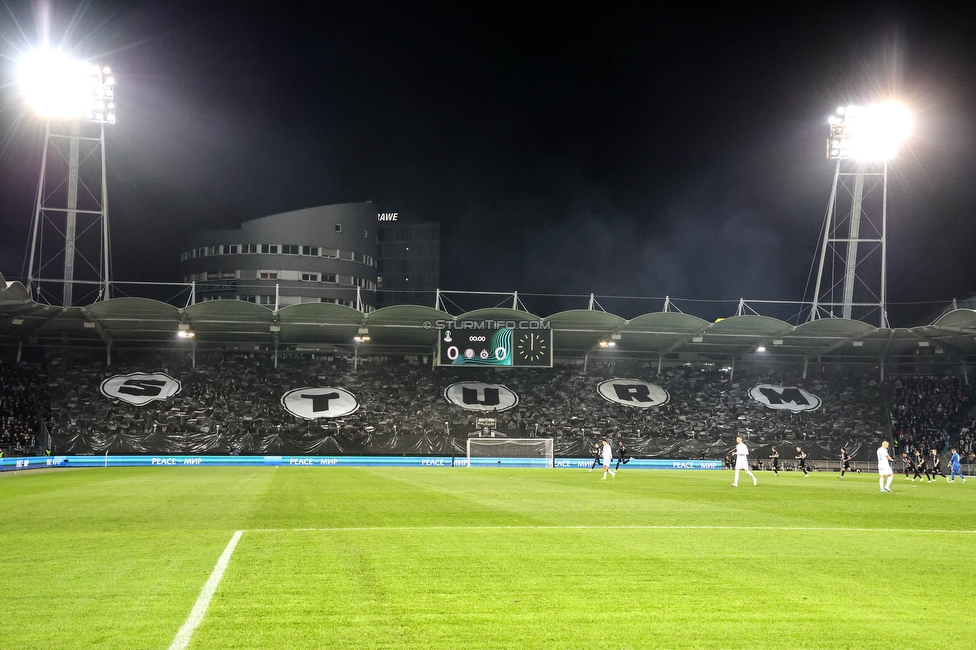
[
  {"x": 338, "y": 227},
  {"x": 268, "y": 275},
  {"x": 249, "y": 248},
  {"x": 328, "y": 277},
  {"x": 310, "y": 277},
  {"x": 269, "y": 249},
  {"x": 289, "y": 249},
  {"x": 310, "y": 250}
]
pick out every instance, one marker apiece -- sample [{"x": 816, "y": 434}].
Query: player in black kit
[
  {"x": 774, "y": 456},
  {"x": 845, "y": 462},
  {"x": 937, "y": 465},
  {"x": 622, "y": 456},
  {"x": 597, "y": 455},
  {"x": 907, "y": 460},
  {"x": 801, "y": 456},
  {"x": 920, "y": 467}
]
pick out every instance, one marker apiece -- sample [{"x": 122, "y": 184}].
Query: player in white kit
[
  {"x": 884, "y": 467},
  {"x": 742, "y": 462},
  {"x": 607, "y": 459}
]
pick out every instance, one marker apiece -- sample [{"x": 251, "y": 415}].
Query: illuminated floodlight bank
[
  {"x": 868, "y": 133},
  {"x": 59, "y": 87}
]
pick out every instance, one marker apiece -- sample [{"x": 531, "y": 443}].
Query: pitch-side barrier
[{"x": 7, "y": 464}]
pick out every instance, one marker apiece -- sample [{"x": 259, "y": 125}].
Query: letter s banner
[{"x": 140, "y": 388}]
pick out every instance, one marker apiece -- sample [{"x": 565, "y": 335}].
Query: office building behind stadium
[
  {"x": 329, "y": 253},
  {"x": 408, "y": 261}
]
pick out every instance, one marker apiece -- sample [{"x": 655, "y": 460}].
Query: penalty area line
[
  {"x": 831, "y": 529},
  {"x": 182, "y": 638}
]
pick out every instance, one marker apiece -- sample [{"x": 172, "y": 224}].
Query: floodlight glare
[
  {"x": 59, "y": 87},
  {"x": 868, "y": 133}
]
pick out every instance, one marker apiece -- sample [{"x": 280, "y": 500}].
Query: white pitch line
[
  {"x": 838, "y": 529},
  {"x": 182, "y": 639}
]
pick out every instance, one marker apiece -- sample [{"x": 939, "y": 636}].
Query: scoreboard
[{"x": 501, "y": 347}]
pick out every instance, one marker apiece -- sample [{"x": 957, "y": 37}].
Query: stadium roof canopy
[{"x": 411, "y": 329}]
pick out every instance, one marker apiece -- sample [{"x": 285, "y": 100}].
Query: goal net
[{"x": 510, "y": 452}]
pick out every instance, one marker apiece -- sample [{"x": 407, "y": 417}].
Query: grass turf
[{"x": 440, "y": 557}]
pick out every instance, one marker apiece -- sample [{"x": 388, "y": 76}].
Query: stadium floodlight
[
  {"x": 76, "y": 99},
  {"x": 868, "y": 133},
  {"x": 861, "y": 141},
  {"x": 59, "y": 87}
]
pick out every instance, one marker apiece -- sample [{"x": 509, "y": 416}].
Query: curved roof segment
[{"x": 413, "y": 329}]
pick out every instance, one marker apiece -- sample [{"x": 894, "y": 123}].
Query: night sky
[{"x": 610, "y": 149}]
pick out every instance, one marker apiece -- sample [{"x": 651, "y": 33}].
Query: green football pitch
[{"x": 489, "y": 558}]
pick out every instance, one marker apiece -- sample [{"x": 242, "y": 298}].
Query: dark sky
[{"x": 615, "y": 149}]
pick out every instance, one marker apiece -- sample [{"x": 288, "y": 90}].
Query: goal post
[{"x": 510, "y": 452}]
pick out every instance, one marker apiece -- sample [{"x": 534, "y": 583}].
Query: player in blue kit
[{"x": 956, "y": 468}]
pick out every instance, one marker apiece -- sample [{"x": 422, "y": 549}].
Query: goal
[{"x": 510, "y": 452}]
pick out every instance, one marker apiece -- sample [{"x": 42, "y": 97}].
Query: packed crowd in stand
[
  {"x": 927, "y": 412},
  {"x": 18, "y": 410},
  {"x": 230, "y": 403}
]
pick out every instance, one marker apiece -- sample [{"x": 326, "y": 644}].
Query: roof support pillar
[{"x": 806, "y": 362}]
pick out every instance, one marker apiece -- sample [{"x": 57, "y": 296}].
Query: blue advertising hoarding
[{"x": 39, "y": 462}]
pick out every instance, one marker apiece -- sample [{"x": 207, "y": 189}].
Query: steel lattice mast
[
  {"x": 851, "y": 276},
  {"x": 70, "y": 228}
]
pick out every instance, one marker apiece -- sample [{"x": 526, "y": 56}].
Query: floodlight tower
[
  {"x": 851, "y": 277},
  {"x": 76, "y": 99}
]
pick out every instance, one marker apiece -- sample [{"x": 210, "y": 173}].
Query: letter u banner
[{"x": 478, "y": 396}]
